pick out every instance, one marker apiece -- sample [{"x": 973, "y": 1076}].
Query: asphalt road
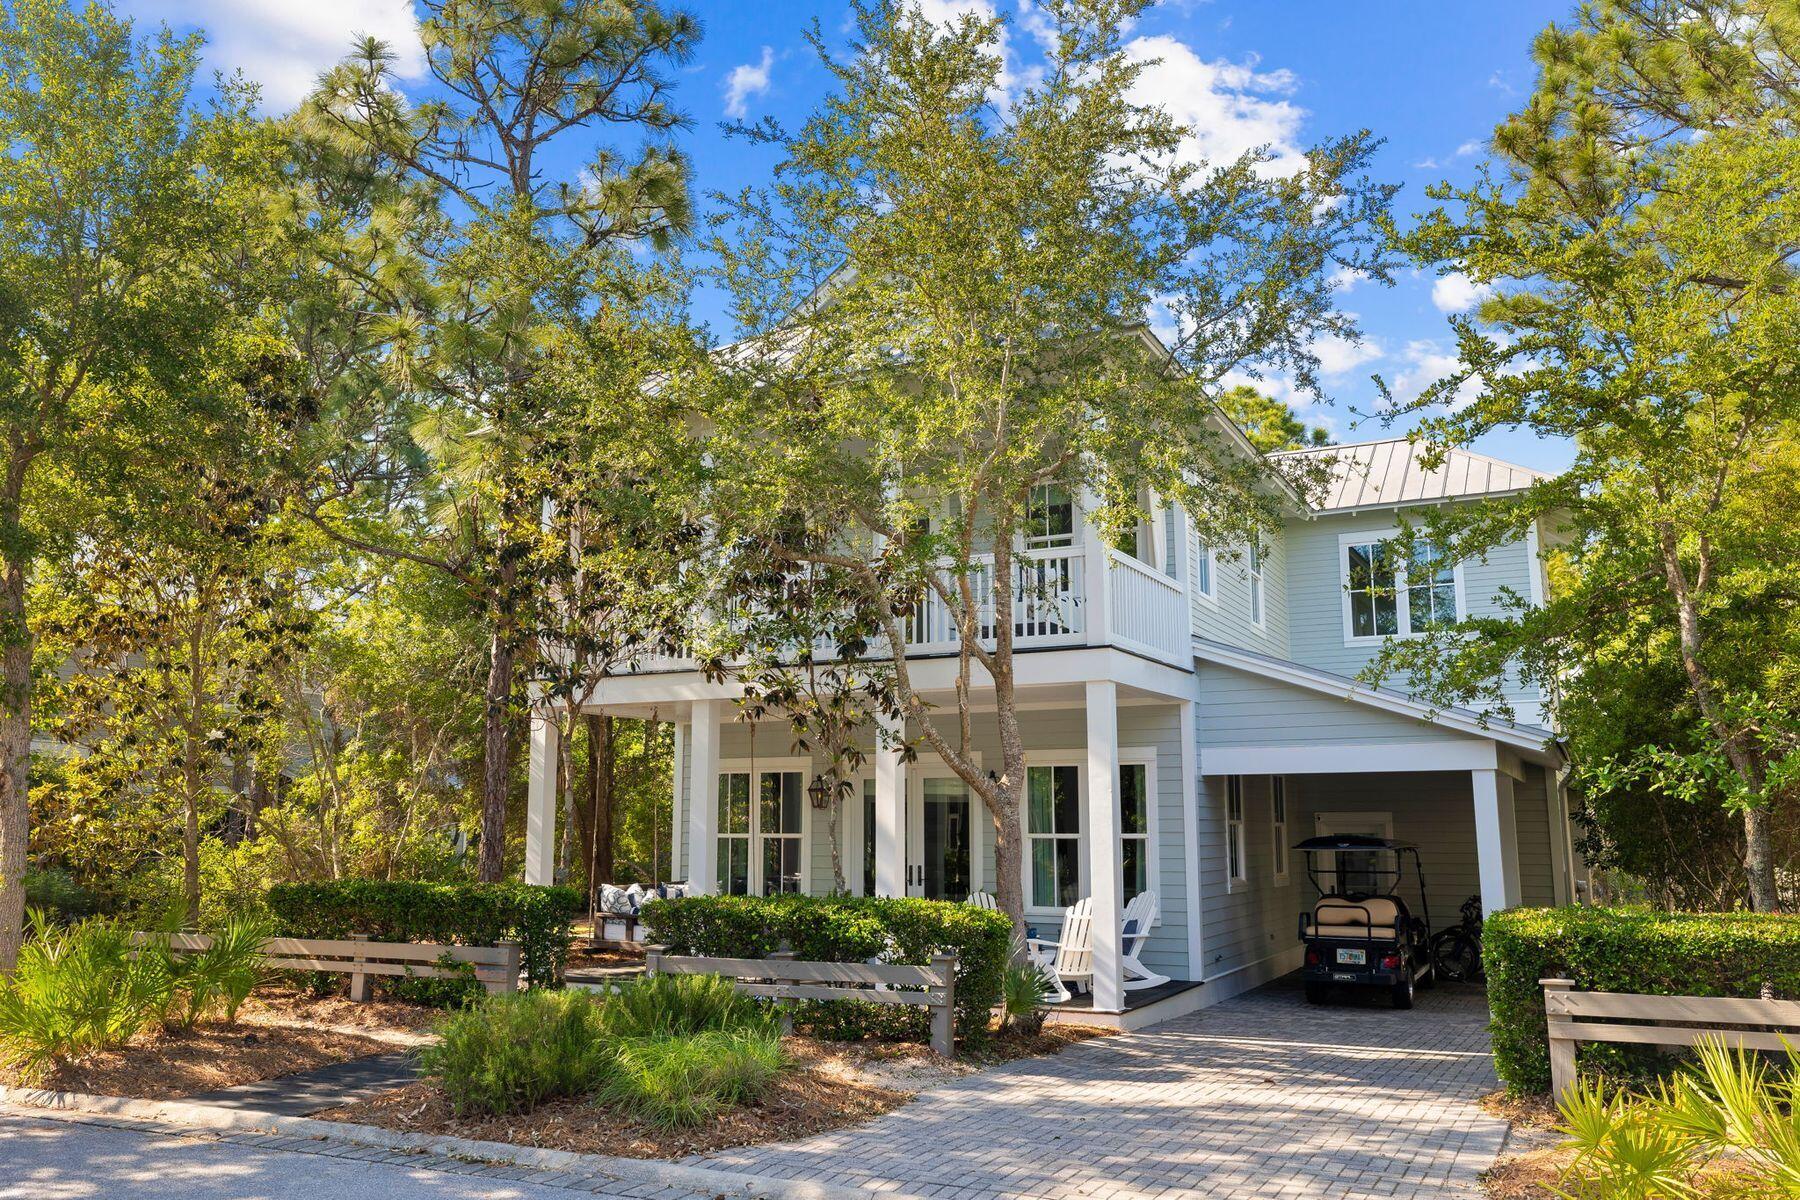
[{"x": 54, "y": 1159}]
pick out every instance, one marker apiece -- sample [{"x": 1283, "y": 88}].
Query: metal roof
[{"x": 1373, "y": 474}]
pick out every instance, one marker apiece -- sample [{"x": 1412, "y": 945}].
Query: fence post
[
  {"x": 653, "y": 959},
  {"x": 783, "y": 1008},
  {"x": 512, "y": 958},
  {"x": 943, "y": 1015},
  {"x": 1562, "y": 1049},
  {"x": 359, "y": 980}
]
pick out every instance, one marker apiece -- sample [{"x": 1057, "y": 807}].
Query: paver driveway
[{"x": 1261, "y": 1096}]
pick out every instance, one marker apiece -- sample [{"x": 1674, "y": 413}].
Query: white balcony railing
[
  {"x": 1148, "y": 610},
  {"x": 1047, "y": 607}
]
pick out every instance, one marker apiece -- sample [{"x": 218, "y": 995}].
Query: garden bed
[
  {"x": 833, "y": 1085},
  {"x": 277, "y": 1033}
]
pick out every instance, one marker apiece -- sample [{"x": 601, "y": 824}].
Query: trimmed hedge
[
  {"x": 849, "y": 929},
  {"x": 1622, "y": 950},
  {"x": 539, "y": 919}
]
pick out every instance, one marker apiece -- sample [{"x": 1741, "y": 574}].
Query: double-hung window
[
  {"x": 1278, "y": 825},
  {"x": 1049, "y": 517},
  {"x": 1388, "y": 595},
  {"x": 1053, "y": 835},
  {"x": 1237, "y": 870},
  {"x": 1134, "y": 827},
  {"x": 1204, "y": 565},
  {"x": 760, "y": 843},
  {"x": 1255, "y": 559}
]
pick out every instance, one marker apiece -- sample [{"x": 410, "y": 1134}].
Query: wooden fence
[
  {"x": 781, "y": 977},
  {"x": 1574, "y": 1017},
  {"x": 496, "y": 967}
]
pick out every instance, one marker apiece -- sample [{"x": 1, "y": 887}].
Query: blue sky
[{"x": 1432, "y": 78}]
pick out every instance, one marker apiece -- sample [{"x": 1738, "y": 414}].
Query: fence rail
[
  {"x": 496, "y": 967},
  {"x": 1574, "y": 1017},
  {"x": 783, "y": 978}
]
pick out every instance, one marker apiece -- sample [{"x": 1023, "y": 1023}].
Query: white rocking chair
[
  {"x": 983, "y": 900},
  {"x": 1134, "y": 932},
  {"x": 1069, "y": 959}
]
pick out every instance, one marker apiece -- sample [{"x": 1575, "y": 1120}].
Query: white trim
[
  {"x": 1190, "y": 821},
  {"x": 1450, "y": 754},
  {"x": 678, "y": 809},
  {"x": 1402, "y": 608},
  {"x": 1240, "y": 880},
  {"x": 932, "y": 767},
  {"x": 1256, "y": 576},
  {"x": 1083, "y": 885},
  {"x": 1534, "y": 565},
  {"x": 1536, "y": 742},
  {"x": 1280, "y": 853},
  {"x": 799, "y": 765},
  {"x": 1144, "y": 756},
  {"x": 1207, "y": 554}
]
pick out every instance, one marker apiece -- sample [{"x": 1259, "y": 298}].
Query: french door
[
  {"x": 940, "y": 843},
  {"x": 760, "y": 832}
]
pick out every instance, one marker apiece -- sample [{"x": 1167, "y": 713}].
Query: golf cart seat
[{"x": 1374, "y": 917}]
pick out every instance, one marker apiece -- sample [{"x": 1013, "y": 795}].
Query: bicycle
[{"x": 1456, "y": 951}]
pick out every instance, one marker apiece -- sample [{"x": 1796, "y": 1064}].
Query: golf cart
[{"x": 1361, "y": 933}]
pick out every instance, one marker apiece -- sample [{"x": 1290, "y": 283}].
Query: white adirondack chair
[
  {"x": 1069, "y": 959},
  {"x": 1135, "y": 925},
  {"x": 983, "y": 900}
]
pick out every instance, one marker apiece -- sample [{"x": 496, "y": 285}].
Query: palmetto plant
[
  {"x": 1728, "y": 1127},
  {"x": 77, "y": 989}
]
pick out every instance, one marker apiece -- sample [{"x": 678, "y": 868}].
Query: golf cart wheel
[
  {"x": 1403, "y": 992},
  {"x": 1427, "y": 978},
  {"x": 1317, "y": 993}
]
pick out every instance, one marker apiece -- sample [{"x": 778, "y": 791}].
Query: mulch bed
[
  {"x": 834, "y": 1085},
  {"x": 278, "y": 1032}
]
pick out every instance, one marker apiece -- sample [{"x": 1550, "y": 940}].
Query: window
[
  {"x": 1134, "y": 828},
  {"x": 1204, "y": 564},
  {"x": 779, "y": 831},
  {"x": 1053, "y": 836},
  {"x": 1278, "y": 824},
  {"x": 759, "y": 844},
  {"x": 1049, "y": 517},
  {"x": 1237, "y": 871},
  {"x": 1256, "y": 583},
  {"x": 734, "y": 833},
  {"x": 1387, "y": 596}
]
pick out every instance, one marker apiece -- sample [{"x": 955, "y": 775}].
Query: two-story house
[{"x": 1191, "y": 715}]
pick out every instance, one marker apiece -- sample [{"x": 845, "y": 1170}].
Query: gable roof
[{"x": 1388, "y": 472}]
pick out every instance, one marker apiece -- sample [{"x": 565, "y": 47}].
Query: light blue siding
[
  {"x": 1226, "y": 616},
  {"x": 1240, "y": 709}
]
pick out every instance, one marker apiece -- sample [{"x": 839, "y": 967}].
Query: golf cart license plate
[{"x": 1353, "y": 958}]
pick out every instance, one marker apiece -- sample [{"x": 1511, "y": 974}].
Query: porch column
[
  {"x": 1105, "y": 880},
  {"x": 1496, "y": 839},
  {"x": 890, "y": 810},
  {"x": 703, "y": 798},
  {"x": 678, "y": 804},
  {"x": 1096, "y": 587},
  {"x": 540, "y": 800}
]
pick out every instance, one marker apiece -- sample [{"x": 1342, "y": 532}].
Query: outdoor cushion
[
  {"x": 614, "y": 900},
  {"x": 1128, "y": 936},
  {"x": 634, "y": 896}
]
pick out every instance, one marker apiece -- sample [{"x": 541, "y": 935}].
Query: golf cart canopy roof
[{"x": 1351, "y": 841}]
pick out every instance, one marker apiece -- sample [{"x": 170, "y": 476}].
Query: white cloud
[
  {"x": 1456, "y": 292},
  {"x": 285, "y": 44},
  {"x": 1426, "y": 363},
  {"x": 1340, "y": 356},
  {"x": 1229, "y": 108},
  {"x": 1472, "y": 146},
  {"x": 1342, "y": 279},
  {"x": 746, "y": 81}
]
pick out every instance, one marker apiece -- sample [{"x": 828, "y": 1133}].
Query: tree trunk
[
  {"x": 1759, "y": 861},
  {"x": 15, "y": 755},
  {"x": 1009, "y": 842},
  {"x": 491, "y": 862},
  {"x": 602, "y": 764}
]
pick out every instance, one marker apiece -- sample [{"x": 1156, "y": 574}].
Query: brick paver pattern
[{"x": 1259, "y": 1096}]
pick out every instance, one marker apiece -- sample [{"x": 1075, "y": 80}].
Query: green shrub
[
  {"x": 849, "y": 929},
  {"x": 55, "y": 892},
  {"x": 677, "y": 1005},
  {"x": 1024, "y": 996},
  {"x": 1622, "y": 950},
  {"x": 539, "y": 919},
  {"x": 75, "y": 990},
  {"x": 674, "y": 1081},
  {"x": 457, "y": 987},
  {"x": 512, "y": 1052},
  {"x": 219, "y": 978}
]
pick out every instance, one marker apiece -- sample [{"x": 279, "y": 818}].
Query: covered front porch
[{"x": 1111, "y": 803}]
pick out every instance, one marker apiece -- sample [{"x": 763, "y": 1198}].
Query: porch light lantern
[{"x": 819, "y": 792}]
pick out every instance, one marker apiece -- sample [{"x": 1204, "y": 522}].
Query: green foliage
[
  {"x": 75, "y": 990},
  {"x": 850, "y": 929},
  {"x": 539, "y": 919},
  {"x": 1267, "y": 422},
  {"x": 513, "y": 1052},
  {"x": 1024, "y": 995},
  {"x": 662, "y": 1006},
  {"x": 676, "y": 1081},
  {"x": 1728, "y": 1128},
  {"x": 55, "y": 892},
  {"x": 1622, "y": 950},
  {"x": 221, "y": 977},
  {"x": 455, "y": 986}
]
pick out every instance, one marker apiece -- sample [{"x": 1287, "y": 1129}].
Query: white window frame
[
  {"x": 1145, "y": 757},
  {"x": 1055, "y": 758},
  {"x": 1236, "y": 877},
  {"x": 1278, "y": 831},
  {"x": 1206, "y": 568},
  {"x": 771, "y": 766},
  {"x": 1259, "y": 592},
  {"x": 1402, "y": 609},
  {"x": 1049, "y": 541}
]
